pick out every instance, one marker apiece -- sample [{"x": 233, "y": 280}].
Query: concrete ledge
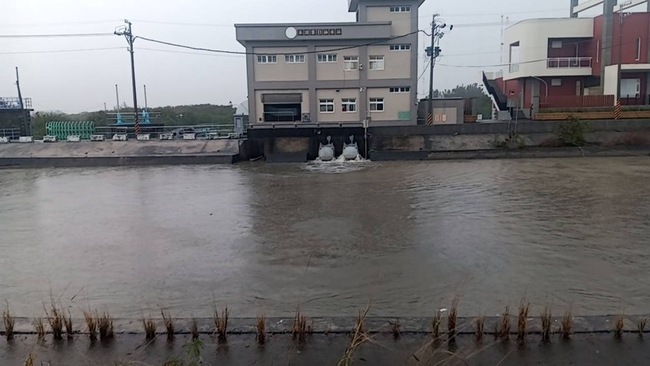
[{"x": 75, "y": 162}]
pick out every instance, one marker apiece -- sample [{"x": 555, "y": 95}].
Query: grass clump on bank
[
  {"x": 546, "y": 317},
  {"x": 169, "y": 324},
  {"x": 150, "y": 328},
  {"x": 39, "y": 327},
  {"x": 105, "y": 325},
  {"x": 261, "y": 329},
  {"x": 504, "y": 325},
  {"x": 56, "y": 319},
  {"x": 299, "y": 329},
  {"x": 9, "y": 323},
  {"x": 522, "y": 321},
  {"x": 221, "y": 324},
  {"x": 566, "y": 325},
  {"x": 479, "y": 328},
  {"x": 91, "y": 324},
  {"x": 640, "y": 326},
  {"x": 618, "y": 327},
  {"x": 359, "y": 337}
]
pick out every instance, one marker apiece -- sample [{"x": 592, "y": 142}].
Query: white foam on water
[{"x": 338, "y": 165}]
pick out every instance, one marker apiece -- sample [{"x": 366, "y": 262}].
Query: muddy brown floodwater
[{"x": 407, "y": 237}]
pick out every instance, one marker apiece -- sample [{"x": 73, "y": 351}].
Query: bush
[
  {"x": 513, "y": 141},
  {"x": 573, "y": 132}
]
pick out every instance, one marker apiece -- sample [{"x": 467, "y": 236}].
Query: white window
[
  {"x": 556, "y": 82},
  {"x": 638, "y": 48},
  {"x": 294, "y": 59},
  {"x": 400, "y": 47},
  {"x": 267, "y": 59},
  {"x": 376, "y": 63},
  {"x": 349, "y": 105},
  {"x": 556, "y": 44},
  {"x": 327, "y": 105},
  {"x": 377, "y": 104},
  {"x": 351, "y": 63},
  {"x": 327, "y": 58},
  {"x": 400, "y": 9},
  {"x": 401, "y": 89}
]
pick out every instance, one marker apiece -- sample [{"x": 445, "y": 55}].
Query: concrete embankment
[
  {"x": 591, "y": 342},
  {"x": 118, "y": 153}
]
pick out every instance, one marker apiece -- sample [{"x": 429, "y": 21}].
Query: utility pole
[
  {"x": 128, "y": 34},
  {"x": 432, "y": 59},
  {"x": 20, "y": 95}
]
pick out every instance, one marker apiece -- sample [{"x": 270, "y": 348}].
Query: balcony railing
[
  {"x": 568, "y": 62},
  {"x": 14, "y": 103}
]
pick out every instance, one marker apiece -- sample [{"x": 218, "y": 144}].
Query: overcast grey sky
[{"x": 84, "y": 81}]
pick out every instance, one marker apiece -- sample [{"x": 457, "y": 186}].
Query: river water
[{"x": 406, "y": 237}]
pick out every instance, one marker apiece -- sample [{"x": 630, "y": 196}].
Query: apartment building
[
  {"x": 574, "y": 62},
  {"x": 338, "y": 73}
]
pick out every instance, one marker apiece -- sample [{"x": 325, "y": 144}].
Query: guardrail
[{"x": 568, "y": 62}]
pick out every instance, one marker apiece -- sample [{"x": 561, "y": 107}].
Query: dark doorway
[{"x": 282, "y": 112}]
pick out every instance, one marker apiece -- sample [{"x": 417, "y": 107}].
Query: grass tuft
[
  {"x": 169, "y": 324},
  {"x": 522, "y": 322},
  {"x": 221, "y": 324},
  {"x": 395, "y": 327},
  {"x": 479, "y": 328},
  {"x": 195, "y": 330},
  {"x": 105, "y": 325},
  {"x": 9, "y": 322},
  {"x": 149, "y": 328},
  {"x": 504, "y": 325},
  {"x": 261, "y": 329},
  {"x": 359, "y": 337},
  {"x": 546, "y": 318},
  {"x": 30, "y": 360},
  {"x": 640, "y": 326},
  {"x": 566, "y": 325},
  {"x": 618, "y": 327},
  {"x": 299, "y": 329},
  {"x": 452, "y": 319},
  {"x": 39, "y": 327},
  {"x": 435, "y": 325},
  {"x": 67, "y": 321},
  {"x": 91, "y": 324},
  {"x": 56, "y": 319}
]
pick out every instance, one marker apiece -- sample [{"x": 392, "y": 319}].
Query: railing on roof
[
  {"x": 568, "y": 62},
  {"x": 14, "y": 103}
]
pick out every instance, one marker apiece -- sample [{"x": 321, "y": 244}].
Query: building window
[
  {"x": 400, "y": 47},
  {"x": 267, "y": 59},
  {"x": 400, "y": 9},
  {"x": 349, "y": 105},
  {"x": 638, "y": 48},
  {"x": 328, "y": 58},
  {"x": 376, "y": 63},
  {"x": 327, "y": 105},
  {"x": 401, "y": 89},
  {"x": 556, "y": 82},
  {"x": 556, "y": 44},
  {"x": 294, "y": 59},
  {"x": 351, "y": 63},
  {"x": 377, "y": 104}
]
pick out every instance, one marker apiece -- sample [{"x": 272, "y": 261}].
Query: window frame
[
  {"x": 377, "y": 61},
  {"x": 400, "y": 89},
  {"x": 266, "y": 59},
  {"x": 346, "y": 103},
  {"x": 400, "y": 9},
  {"x": 297, "y": 59},
  {"x": 327, "y": 103},
  {"x": 376, "y": 102},
  {"x": 327, "y": 58},
  {"x": 400, "y": 47},
  {"x": 352, "y": 60},
  {"x": 556, "y": 82}
]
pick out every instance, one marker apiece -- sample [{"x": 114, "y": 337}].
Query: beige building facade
[{"x": 330, "y": 73}]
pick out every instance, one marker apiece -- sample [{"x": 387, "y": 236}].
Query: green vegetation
[
  {"x": 573, "y": 132},
  {"x": 513, "y": 141},
  {"x": 482, "y": 102}
]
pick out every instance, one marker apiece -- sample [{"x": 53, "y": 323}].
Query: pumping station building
[{"x": 335, "y": 73}]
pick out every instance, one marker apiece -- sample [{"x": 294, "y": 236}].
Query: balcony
[
  {"x": 14, "y": 103},
  {"x": 568, "y": 62}
]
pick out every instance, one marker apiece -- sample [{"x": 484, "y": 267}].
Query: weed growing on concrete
[
  {"x": 546, "y": 318},
  {"x": 195, "y": 329},
  {"x": 618, "y": 327},
  {"x": 39, "y": 327},
  {"x": 56, "y": 319},
  {"x": 221, "y": 324},
  {"x": 31, "y": 359},
  {"x": 9, "y": 323},
  {"x": 149, "y": 328},
  {"x": 504, "y": 325},
  {"x": 261, "y": 329},
  {"x": 91, "y": 324},
  {"x": 358, "y": 338},
  {"x": 169, "y": 324},
  {"x": 435, "y": 324},
  {"x": 299, "y": 329},
  {"x": 640, "y": 326},
  {"x": 105, "y": 325},
  {"x": 452, "y": 319},
  {"x": 522, "y": 323},
  {"x": 479, "y": 328},
  {"x": 573, "y": 132},
  {"x": 395, "y": 328},
  {"x": 566, "y": 325},
  {"x": 67, "y": 321}
]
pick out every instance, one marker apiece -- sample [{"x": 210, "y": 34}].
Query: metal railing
[
  {"x": 222, "y": 130},
  {"x": 568, "y": 62},
  {"x": 11, "y": 133},
  {"x": 14, "y": 103}
]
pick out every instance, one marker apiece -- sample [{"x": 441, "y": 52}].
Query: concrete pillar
[
  {"x": 608, "y": 39},
  {"x": 574, "y": 3}
]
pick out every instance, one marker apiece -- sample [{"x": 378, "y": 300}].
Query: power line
[
  {"x": 61, "y": 51},
  {"x": 184, "y": 23},
  {"x": 55, "y": 35},
  {"x": 189, "y": 53},
  {"x": 55, "y": 24}
]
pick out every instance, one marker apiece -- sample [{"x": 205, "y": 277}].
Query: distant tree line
[
  {"x": 482, "y": 101},
  {"x": 202, "y": 114}
]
